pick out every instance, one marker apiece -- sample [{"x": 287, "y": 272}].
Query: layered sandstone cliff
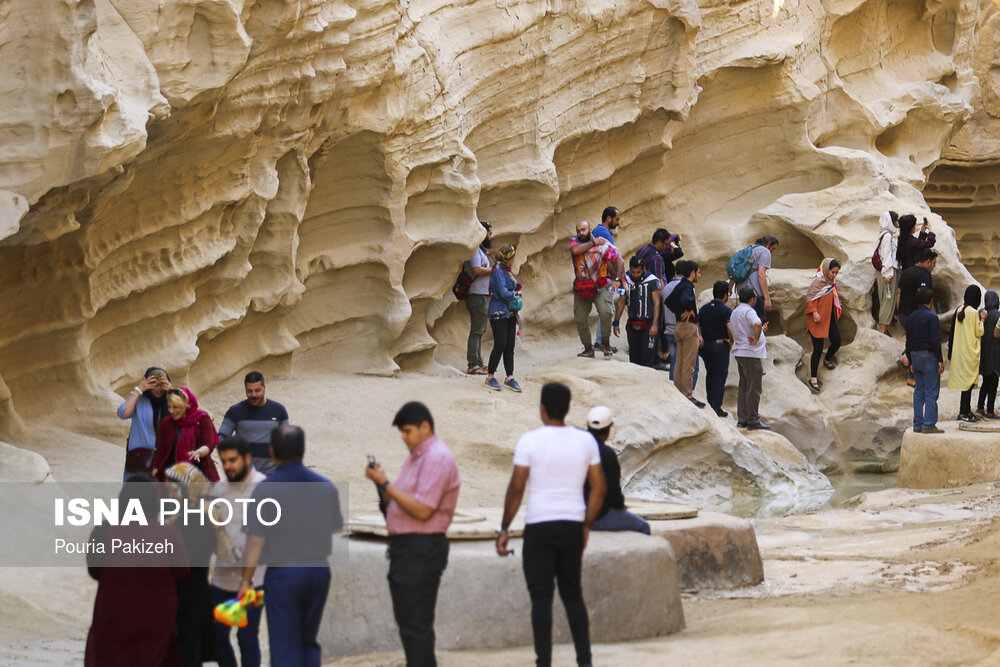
[{"x": 219, "y": 184}]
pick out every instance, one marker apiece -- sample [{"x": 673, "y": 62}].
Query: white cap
[{"x": 600, "y": 418}]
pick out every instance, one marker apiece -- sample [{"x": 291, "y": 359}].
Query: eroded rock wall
[{"x": 214, "y": 185}]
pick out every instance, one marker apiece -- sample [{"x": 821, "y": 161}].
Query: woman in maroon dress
[
  {"x": 135, "y": 611},
  {"x": 187, "y": 435}
]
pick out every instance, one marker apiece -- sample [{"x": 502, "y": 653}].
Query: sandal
[
  {"x": 829, "y": 365},
  {"x": 477, "y": 370},
  {"x": 813, "y": 385}
]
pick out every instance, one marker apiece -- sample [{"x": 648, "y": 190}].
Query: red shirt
[{"x": 430, "y": 475}]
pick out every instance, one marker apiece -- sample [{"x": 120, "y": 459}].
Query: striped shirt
[
  {"x": 254, "y": 424},
  {"x": 430, "y": 475}
]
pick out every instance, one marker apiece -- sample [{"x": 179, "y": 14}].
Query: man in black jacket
[
  {"x": 613, "y": 515},
  {"x": 683, "y": 305}
]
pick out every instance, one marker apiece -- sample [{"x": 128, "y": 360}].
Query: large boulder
[{"x": 483, "y": 601}]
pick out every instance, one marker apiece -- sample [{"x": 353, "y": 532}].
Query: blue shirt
[
  {"x": 602, "y": 232},
  {"x": 923, "y": 332},
  {"x": 310, "y": 514},
  {"x": 713, "y": 318}
]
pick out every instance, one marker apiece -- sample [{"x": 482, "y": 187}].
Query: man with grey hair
[{"x": 760, "y": 262}]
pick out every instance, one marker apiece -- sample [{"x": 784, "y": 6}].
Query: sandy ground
[{"x": 899, "y": 578}]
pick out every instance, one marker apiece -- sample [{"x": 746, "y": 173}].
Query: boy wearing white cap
[{"x": 613, "y": 515}]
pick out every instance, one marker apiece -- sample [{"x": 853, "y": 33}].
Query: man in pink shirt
[{"x": 420, "y": 506}]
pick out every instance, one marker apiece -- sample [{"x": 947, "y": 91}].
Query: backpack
[
  {"x": 876, "y": 257},
  {"x": 462, "y": 283},
  {"x": 740, "y": 265}
]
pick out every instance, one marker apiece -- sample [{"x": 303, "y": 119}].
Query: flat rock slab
[
  {"x": 658, "y": 510},
  {"x": 957, "y": 457},
  {"x": 630, "y": 586},
  {"x": 714, "y": 551}
]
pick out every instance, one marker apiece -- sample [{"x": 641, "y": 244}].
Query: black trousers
[
  {"x": 818, "y": 347},
  {"x": 638, "y": 346},
  {"x": 716, "y": 356},
  {"x": 554, "y": 550},
  {"x": 504, "y": 336},
  {"x": 988, "y": 392},
  {"x": 416, "y": 563},
  {"x": 965, "y": 402}
]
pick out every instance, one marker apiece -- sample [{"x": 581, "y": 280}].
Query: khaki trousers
[
  {"x": 581, "y": 313},
  {"x": 687, "y": 335}
]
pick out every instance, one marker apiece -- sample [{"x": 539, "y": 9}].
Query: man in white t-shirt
[
  {"x": 241, "y": 480},
  {"x": 553, "y": 462},
  {"x": 478, "y": 301},
  {"x": 750, "y": 351}
]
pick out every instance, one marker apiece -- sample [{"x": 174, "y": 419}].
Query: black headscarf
[
  {"x": 159, "y": 403},
  {"x": 989, "y": 357}
]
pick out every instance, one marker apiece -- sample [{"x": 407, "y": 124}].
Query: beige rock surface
[
  {"x": 220, "y": 185},
  {"x": 290, "y": 186},
  {"x": 953, "y": 458}
]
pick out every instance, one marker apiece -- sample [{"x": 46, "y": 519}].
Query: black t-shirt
[
  {"x": 713, "y": 318},
  {"x": 912, "y": 279},
  {"x": 613, "y": 497}
]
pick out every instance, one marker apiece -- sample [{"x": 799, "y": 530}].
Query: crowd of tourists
[
  {"x": 653, "y": 298},
  {"x": 576, "y": 488},
  {"x": 575, "y": 475}
]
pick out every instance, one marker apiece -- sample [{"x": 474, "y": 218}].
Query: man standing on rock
[
  {"x": 254, "y": 419},
  {"x": 750, "y": 351},
  {"x": 553, "y": 462},
  {"x": 682, "y": 302},
  {"x": 923, "y": 356},
  {"x": 910, "y": 282},
  {"x": 613, "y": 516},
  {"x": 611, "y": 220},
  {"x": 643, "y": 298},
  {"x": 596, "y": 265},
  {"x": 420, "y": 505},
  {"x": 760, "y": 262},
  {"x": 913, "y": 278},
  {"x": 713, "y": 318},
  {"x": 652, "y": 259},
  {"x": 478, "y": 301}
]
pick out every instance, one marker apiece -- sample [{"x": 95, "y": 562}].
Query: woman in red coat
[
  {"x": 187, "y": 435},
  {"x": 135, "y": 611},
  {"x": 823, "y": 310}
]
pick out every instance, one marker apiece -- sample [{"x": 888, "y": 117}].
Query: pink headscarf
[
  {"x": 187, "y": 436},
  {"x": 823, "y": 284}
]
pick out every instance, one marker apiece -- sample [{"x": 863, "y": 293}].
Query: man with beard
[
  {"x": 478, "y": 302},
  {"x": 611, "y": 220},
  {"x": 596, "y": 265},
  {"x": 241, "y": 480},
  {"x": 254, "y": 419}
]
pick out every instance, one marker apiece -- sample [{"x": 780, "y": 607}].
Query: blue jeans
[
  {"x": 925, "y": 393},
  {"x": 295, "y": 600},
  {"x": 618, "y": 520},
  {"x": 672, "y": 345},
  {"x": 246, "y": 637}
]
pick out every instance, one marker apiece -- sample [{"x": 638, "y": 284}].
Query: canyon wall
[{"x": 212, "y": 185}]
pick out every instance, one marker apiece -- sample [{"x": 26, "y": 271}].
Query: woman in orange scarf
[{"x": 823, "y": 310}]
